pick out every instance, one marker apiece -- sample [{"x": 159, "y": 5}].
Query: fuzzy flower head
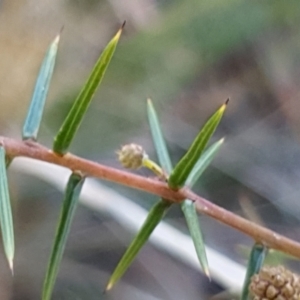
[
  {"x": 275, "y": 283},
  {"x": 131, "y": 156}
]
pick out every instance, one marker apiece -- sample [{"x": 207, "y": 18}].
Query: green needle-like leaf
[
  {"x": 72, "y": 122},
  {"x": 191, "y": 217},
  {"x": 73, "y": 189},
  {"x": 187, "y": 206},
  {"x": 154, "y": 217},
  {"x": 6, "y": 220},
  {"x": 255, "y": 262},
  {"x": 158, "y": 139},
  {"x": 182, "y": 170},
  {"x": 203, "y": 162},
  {"x": 189, "y": 209},
  {"x": 36, "y": 108}
]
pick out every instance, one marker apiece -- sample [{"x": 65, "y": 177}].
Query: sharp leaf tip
[
  {"x": 61, "y": 30},
  {"x": 108, "y": 287},
  {"x": 11, "y": 266}
]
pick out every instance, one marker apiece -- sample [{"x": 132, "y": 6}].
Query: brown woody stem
[{"x": 15, "y": 148}]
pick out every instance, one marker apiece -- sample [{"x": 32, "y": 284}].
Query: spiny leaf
[
  {"x": 255, "y": 262},
  {"x": 36, "y": 108},
  {"x": 158, "y": 139},
  {"x": 187, "y": 206},
  {"x": 73, "y": 189},
  {"x": 182, "y": 170},
  {"x": 72, "y": 122},
  {"x": 191, "y": 217},
  {"x": 203, "y": 162},
  {"x": 154, "y": 217},
  {"x": 6, "y": 220},
  {"x": 189, "y": 209}
]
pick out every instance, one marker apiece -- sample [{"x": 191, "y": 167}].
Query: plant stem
[{"x": 260, "y": 234}]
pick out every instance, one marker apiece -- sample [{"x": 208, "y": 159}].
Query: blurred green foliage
[{"x": 161, "y": 60}]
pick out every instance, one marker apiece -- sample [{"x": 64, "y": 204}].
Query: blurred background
[{"x": 189, "y": 57}]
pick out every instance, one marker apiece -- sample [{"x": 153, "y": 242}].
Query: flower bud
[
  {"x": 275, "y": 283},
  {"x": 131, "y": 156}
]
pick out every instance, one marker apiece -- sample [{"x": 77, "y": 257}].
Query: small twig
[{"x": 15, "y": 148}]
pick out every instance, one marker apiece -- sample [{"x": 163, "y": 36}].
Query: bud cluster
[
  {"x": 275, "y": 283},
  {"x": 131, "y": 156}
]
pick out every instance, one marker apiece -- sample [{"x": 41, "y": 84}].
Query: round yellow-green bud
[
  {"x": 276, "y": 283},
  {"x": 131, "y": 156}
]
